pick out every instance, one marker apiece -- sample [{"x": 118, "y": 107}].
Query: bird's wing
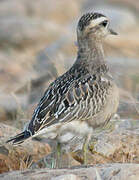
[{"x": 79, "y": 100}]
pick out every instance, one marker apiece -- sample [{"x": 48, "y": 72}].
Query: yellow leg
[
  {"x": 58, "y": 156},
  {"x": 85, "y": 153},
  {"x": 85, "y": 148}
]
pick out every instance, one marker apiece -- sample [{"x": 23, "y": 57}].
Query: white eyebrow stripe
[{"x": 97, "y": 21}]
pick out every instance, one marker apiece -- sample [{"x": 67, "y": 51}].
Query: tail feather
[{"x": 19, "y": 138}]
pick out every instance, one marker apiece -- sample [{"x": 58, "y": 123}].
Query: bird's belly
[
  {"x": 73, "y": 129},
  {"x": 108, "y": 110},
  {"x": 65, "y": 132}
]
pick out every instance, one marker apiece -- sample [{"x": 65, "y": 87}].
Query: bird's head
[{"x": 95, "y": 25}]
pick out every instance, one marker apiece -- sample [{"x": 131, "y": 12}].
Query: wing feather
[{"x": 79, "y": 100}]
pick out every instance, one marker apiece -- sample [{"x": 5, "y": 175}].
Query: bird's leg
[
  {"x": 85, "y": 148},
  {"x": 58, "y": 156}
]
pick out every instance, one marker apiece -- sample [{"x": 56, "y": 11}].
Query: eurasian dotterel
[{"x": 83, "y": 98}]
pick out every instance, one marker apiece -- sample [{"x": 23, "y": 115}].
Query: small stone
[{"x": 66, "y": 177}]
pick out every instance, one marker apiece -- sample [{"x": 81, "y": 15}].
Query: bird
[{"x": 82, "y": 99}]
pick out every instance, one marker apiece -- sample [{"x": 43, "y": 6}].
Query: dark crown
[{"x": 86, "y": 19}]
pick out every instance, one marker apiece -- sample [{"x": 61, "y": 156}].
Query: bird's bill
[{"x": 113, "y": 32}]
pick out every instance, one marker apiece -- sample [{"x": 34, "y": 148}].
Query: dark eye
[{"x": 104, "y": 23}]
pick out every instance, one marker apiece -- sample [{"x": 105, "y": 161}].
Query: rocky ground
[
  {"x": 99, "y": 172},
  {"x": 37, "y": 44}
]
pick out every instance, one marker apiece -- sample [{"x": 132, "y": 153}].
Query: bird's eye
[{"x": 104, "y": 23}]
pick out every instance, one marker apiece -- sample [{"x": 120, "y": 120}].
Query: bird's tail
[{"x": 18, "y": 139}]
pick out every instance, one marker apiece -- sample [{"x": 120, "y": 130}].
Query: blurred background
[{"x": 38, "y": 43}]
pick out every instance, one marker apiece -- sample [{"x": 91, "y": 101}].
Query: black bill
[{"x": 113, "y": 32}]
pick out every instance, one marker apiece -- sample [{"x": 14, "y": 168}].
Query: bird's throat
[{"x": 90, "y": 51}]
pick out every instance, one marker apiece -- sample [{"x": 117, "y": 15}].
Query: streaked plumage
[{"x": 83, "y": 98}]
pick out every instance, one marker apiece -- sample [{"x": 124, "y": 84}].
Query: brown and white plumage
[{"x": 83, "y": 98}]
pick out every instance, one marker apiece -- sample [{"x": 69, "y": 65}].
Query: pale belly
[
  {"x": 110, "y": 108},
  {"x": 65, "y": 132}
]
